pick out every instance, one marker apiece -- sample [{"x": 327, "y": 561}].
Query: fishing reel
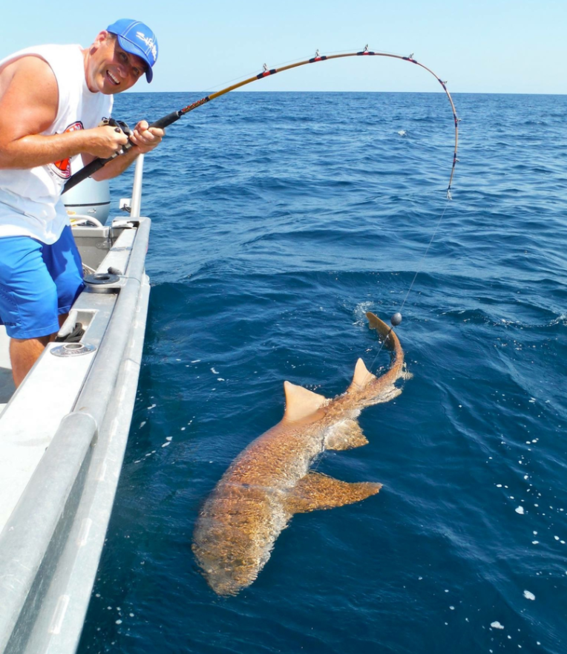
[{"x": 120, "y": 126}]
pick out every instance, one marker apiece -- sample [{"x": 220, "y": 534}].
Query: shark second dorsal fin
[
  {"x": 300, "y": 402},
  {"x": 361, "y": 377}
]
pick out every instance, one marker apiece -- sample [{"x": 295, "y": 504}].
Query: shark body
[{"x": 270, "y": 480}]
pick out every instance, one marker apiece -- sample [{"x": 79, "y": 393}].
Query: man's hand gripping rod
[{"x": 97, "y": 164}]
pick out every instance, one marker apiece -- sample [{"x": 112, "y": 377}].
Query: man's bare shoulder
[
  {"x": 29, "y": 95},
  {"x": 30, "y": 68}
]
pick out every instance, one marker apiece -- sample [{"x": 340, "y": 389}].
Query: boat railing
[{"x": 136, "y": 206}]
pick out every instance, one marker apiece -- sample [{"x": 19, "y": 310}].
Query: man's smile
[{"x": 112, "y": 78}]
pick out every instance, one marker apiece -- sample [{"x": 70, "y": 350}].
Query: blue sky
[{"x": 490, "y": 46}]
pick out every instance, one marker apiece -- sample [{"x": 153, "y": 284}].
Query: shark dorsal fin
[
  {"x": 300, "y": 402},
  {"x": 362, "y": 376}
]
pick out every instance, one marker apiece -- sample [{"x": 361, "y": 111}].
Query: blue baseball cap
[{"x": 137, "y": 39}]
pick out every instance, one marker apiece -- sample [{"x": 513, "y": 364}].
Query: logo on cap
[{"x": 150, "y": 43}]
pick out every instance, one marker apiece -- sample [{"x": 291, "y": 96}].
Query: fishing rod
[{"x": 172, "y": 117}]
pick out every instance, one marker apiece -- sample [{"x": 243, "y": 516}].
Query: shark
[{"x": 270, "y": 480}]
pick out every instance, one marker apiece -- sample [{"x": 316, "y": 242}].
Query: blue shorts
[{"x": 38, "y": 282}]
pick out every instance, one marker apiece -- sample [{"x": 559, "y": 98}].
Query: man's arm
[{"x": 29, "y": 98}]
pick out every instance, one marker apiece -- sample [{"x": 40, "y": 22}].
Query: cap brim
[{"x": 132, "y": 48}]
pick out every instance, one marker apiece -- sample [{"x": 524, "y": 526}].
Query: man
[{"x": 52, "y": 99}]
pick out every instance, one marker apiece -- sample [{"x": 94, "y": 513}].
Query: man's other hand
[{"x": 146, "y": 138}]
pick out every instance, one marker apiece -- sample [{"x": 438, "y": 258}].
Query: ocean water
[{"x": 278, "y": 220}]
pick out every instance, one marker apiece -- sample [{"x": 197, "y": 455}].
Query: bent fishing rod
[{"x": 165, "y": 121}]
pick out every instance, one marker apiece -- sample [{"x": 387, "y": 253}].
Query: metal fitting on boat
[
  {"x": 73, "y": 349},
  {"x": 102, "y": 278},
  {"x": 102, "y": 282}
]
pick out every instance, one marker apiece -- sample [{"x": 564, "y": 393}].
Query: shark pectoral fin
[
  {"x": 300, "y": 402},
  {"x": 345, "y": 435},
  {"x": 317, "y": 491}
]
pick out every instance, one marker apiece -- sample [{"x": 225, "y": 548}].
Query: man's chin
[{"x": 108, "y": 88}]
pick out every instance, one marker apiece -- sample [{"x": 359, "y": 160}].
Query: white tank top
[{"x": 30, "y": 203}]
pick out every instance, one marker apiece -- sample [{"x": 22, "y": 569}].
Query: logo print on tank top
[{"x": 63, "y": 168}]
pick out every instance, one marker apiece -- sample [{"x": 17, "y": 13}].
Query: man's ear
[{"x": 100, "y": 38}]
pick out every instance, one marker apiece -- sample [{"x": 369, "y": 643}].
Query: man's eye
[
  {"x": 137, "y": 72},
  {"x": 123, "y": 57}
]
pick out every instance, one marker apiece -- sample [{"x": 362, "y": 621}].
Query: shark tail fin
[
  {"x": 300, "y": 402},
  {"x": 316, "y": 491},
  {"x": 382, "y": 328}
]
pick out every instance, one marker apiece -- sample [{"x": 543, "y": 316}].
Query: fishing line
[
  {"x": 424, "y": 255},
  {"x": 396, "y": 319}
]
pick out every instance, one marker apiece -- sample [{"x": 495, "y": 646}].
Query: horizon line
[{"x": 204, "y": 93}]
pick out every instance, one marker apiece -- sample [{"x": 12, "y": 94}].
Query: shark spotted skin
[{"x": 270, "y": 480}]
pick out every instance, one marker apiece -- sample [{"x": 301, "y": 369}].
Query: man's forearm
[{"x": 40, "y": 150}]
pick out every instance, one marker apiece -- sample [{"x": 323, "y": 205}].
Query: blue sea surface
[{"x": 279, "y": 219}]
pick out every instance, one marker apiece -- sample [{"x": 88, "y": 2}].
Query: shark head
[{"x": 235, "y": 535}]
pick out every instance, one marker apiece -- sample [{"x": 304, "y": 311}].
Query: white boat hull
[{"x": 62, "y": 440}]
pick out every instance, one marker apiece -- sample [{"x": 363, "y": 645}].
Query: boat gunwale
[{"x": 25, "y": 539}]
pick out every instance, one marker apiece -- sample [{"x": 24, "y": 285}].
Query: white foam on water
[
  {"x": 520, "y": 510},
  {"x": 360, "y": 313},
  {"x": 529, "y": 595},
  {"x": 496, "y": 625},
  {"x": 215, "y": 372}
]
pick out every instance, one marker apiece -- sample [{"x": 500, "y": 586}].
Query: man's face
[{"x": 111, "y": 69}]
